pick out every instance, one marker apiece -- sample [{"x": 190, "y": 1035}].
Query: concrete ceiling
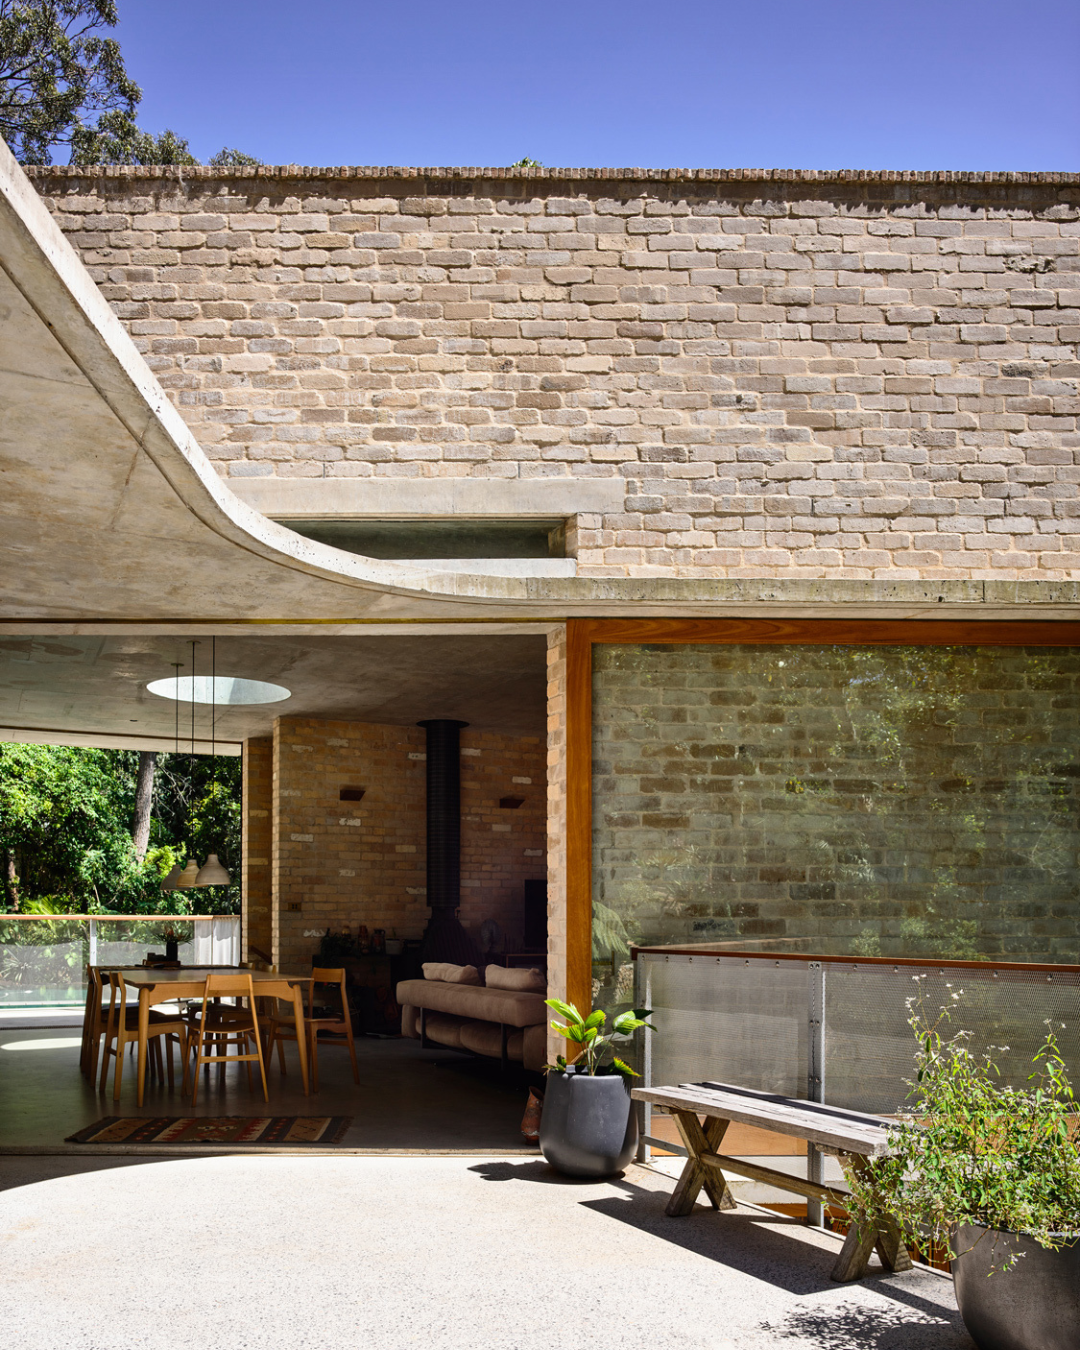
[{"x": 92, "y": 690}]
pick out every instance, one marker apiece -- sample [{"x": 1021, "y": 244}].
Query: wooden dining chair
[
  {"x": 224, "y": 1024},
  {"x": 122, "y": 1029},
  {"x": 335, "y": 1021},
  {"x": 94, "y": 1020}
]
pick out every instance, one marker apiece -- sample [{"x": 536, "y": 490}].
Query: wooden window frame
[{"x": 584, "y": 634}]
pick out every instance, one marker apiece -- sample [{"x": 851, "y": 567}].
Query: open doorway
[{"x": 334, "y": 871}]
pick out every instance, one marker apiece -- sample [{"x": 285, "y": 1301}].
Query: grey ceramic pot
[
  {"x": 1034, "y": 1306},
  {"x": 589, "y": 1126}
]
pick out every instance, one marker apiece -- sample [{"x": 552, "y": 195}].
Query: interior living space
[{"x": 670, "y": 589}]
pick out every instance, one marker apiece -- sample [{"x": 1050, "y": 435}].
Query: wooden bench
[{"x": 846, "y": 1134}]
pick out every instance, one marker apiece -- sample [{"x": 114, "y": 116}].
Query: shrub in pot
[
  {"x": 589, "y": 1126},
  {"x": 990, "y": 1174}
]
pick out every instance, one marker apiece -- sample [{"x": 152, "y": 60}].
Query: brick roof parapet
[{"x": 489, "y": 174}]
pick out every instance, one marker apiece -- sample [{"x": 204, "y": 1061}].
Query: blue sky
[{"x": 924, "y": 84}]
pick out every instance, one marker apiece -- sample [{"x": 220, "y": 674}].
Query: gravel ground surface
[{"x": 450, "y": 1253}]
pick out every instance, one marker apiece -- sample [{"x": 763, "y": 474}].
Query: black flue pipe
[
  {"x": 445, "y": 938},
  {"x": 443, "y": 812}
]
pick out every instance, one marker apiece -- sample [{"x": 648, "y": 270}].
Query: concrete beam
[{"x": 429, "y": 498}]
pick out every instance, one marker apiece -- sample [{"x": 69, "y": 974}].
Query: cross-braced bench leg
[
  {"x": 884, "y": 1235},
  {"x": 695, "y": 1175}
]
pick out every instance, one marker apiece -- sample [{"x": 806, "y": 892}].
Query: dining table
[{"x": 162, "y": 985}]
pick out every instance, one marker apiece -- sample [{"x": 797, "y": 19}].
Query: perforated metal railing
[
  {"x": 836, "y": 1029},
  {"x": 43, "y": 958}
]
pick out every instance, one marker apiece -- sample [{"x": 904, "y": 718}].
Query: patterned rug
[{"x": 293, "y": 1131}]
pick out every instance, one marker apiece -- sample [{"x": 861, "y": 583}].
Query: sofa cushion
[
  {"x": 449, "y": 974},
  {"x": 444, "y": 1030},
  {"x": 467, "y": 1000},
  {"x": 485, "y": 1038},
  {"x": 507, "y": 977}
]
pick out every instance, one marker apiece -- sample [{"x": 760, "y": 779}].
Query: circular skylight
[{"x": 219, "y": 690}]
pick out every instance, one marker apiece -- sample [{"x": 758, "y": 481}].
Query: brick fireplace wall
[{"x": 338, "y": 864}]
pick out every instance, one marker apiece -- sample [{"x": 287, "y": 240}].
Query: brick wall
[
  {"x": 846, "y": 800},
  {"x": 257, "y": 830},
  {"x": 350, "y": 863},
  {"x": 872, "y": 376}
]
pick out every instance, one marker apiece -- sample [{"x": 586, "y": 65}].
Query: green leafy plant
[
  {"x": 526, "y": 163},
  {"x": 595, "y": 1046},
  {"x": 975, "y": 1150}
]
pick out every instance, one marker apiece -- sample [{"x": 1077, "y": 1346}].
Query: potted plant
[
  {"x": 589, "y": 1127},
  {"x": 990, "y": 1173}
]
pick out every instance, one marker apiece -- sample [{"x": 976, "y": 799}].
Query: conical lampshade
[
  {"x": 211, "y": 873},
  {"x": 188, "y": 878},
  {"x": 169, "y": 880}
]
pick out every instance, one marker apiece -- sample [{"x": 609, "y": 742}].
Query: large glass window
[{"x": 848, "y": 800}]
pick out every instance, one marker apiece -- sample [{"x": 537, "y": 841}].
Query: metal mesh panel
[
  {"x": 42, "y": 962},
  {"x": 747, "y": 1021},
  {"x": 869, "y": 1046},
  {"x": 727, "y": 1019},
  {"x": 123, "y": 943}
]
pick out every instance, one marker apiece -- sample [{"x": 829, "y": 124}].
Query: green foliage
[
  {"x": 63, "y": 83},
  {"x": 975, "y": 1150},
  {"x": 233, "y": 159},
  {"x": 65, "y": 816},
  {"x": 117, "y": 140},
  {"x": 526, "y": 163},
  {"x": 596, "y": 1047},
  {"x": 56, "y": 70}
]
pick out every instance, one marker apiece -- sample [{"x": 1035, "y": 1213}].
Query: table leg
[
  {"x": 144, "y": 1036},
  {"x": 301, "y": 1036},
  {"x": 695, "y": 1175}
]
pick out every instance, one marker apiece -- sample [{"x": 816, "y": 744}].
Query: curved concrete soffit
[{"x": 45, "y": 268}]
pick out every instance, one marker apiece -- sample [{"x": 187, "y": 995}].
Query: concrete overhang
[{"x": 112, "y": 519}]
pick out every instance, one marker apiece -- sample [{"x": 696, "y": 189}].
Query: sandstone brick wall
[
  {"x": 844, "y": 800},
  {"x": 341, "y": 864},
  {"x": 257, "y": 834},
  {"x": 864, "y": 376}
]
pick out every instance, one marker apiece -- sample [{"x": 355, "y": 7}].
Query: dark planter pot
[
  {"x": 1034, "y": 1306},
  {"x": 589, "y": 1126},
  {"x": 172, "y": 950}
]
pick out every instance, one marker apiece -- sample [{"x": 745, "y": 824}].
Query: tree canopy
[
  {"x": 57, "y": 71},
  {"x": 63, "y": 83},
  {"x": 66, "y": 827}
]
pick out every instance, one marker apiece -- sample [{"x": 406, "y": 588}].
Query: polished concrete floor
[
  {"x": 407, "y": 1098},
  {"x": 438, "y": 1253}
]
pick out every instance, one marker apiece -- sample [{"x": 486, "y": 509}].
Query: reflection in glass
[{"x": 875, "y": 801}]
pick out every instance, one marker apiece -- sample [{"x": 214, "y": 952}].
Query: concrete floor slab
[
  {"x": 441, "y": 1253},
  {"x": 407, "y": 1098}
]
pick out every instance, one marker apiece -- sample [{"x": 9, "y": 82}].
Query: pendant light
[
  {"x": 189, "y": 877},
  {"x": 211, "y": 873},
  {"x": 169, "y": 880}
]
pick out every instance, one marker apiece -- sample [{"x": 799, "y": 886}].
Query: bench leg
[
  {"x": 695, "y": 1175},
  {"x": 890, "y": 1246},
  {"x": 882, "y": 1235}
]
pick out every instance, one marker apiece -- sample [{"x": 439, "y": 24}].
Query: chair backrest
[
  {"x": 229, "y": 986},
  {"x": 334, "y": 976},
  {"x": 117, "y": 996}
]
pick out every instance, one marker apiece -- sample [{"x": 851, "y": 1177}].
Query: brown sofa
[{"x": 506, "y": 1024}]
